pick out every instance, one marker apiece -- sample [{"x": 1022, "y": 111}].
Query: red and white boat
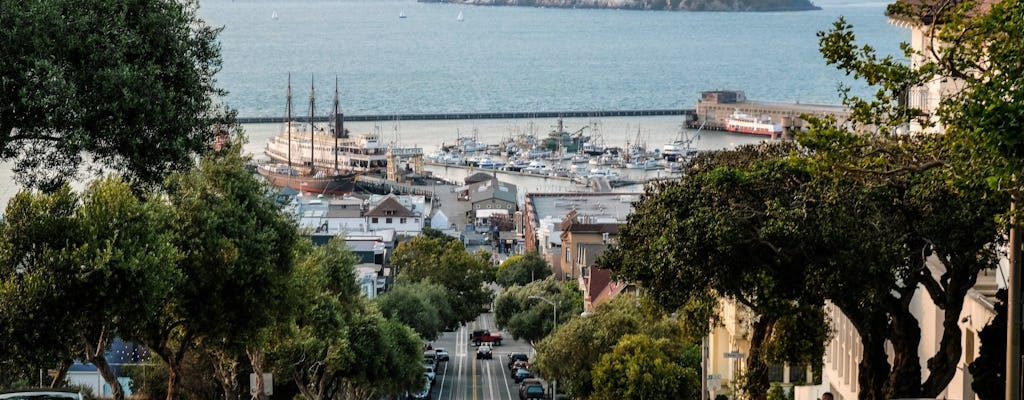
[{"x": 742, "y": 123}]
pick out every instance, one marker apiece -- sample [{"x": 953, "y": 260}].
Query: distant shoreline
[{"x": 652, "y": 5}]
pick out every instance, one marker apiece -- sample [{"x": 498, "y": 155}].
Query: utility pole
[{"x": 1013, "y": 308}]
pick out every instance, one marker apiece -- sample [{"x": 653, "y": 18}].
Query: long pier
[{"x": 484, "y": 115}]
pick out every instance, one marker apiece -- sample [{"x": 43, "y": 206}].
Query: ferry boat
[{"x": 742, "y": 123}]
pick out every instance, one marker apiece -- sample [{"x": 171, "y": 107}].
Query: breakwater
[{"x": 487, "y": 115}]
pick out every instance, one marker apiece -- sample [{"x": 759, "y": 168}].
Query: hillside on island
[{"x": 673, "y": 5}]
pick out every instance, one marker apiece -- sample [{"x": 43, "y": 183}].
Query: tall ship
[
  {"x": 297, "y": 154},
  {"x": 743, "y": 123}
]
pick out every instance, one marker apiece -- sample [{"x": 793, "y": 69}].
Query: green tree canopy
[
  {"x": 448, "y": 263},
  {"x": 238, "y": 257},
  {"x": 129, "y": 84},
  {"x": 106, "y": 260},
  {"x": 918, "y": 209},
  {"x": 742, "y": 225},
  {"x": 423, "y": 306},
  {"x": 339, "y": 344},
  {"x": 572, "y": 352},
  {"x": 522, "y": 269},
  {"x": 641, "y": 367},
  {"x": 531, "y": 319}
]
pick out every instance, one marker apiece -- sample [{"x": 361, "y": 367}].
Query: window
[
  {"x": 402, "y": 220},
  {"x": 387, "y": 220},
  {"x": 375, "y": 220},
  {"x": 775, "y": 373}
]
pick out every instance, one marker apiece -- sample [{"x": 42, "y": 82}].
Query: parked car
[
  {"x": 483, "y": 352},
  {"x": 430, "y": 357},
  {"x": 423, "y": 394},
  {"x": 518, "y": 366},
  {"x": 441, "y": 354},
  {"x": 42, "y": 394},
  {"x": 430, "y": 372},
  {"x": 533, "y": 391},
  {"x": 513, "y": 357},
  {"x": 521, "y": 374}
]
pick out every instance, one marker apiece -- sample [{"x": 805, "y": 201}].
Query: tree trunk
[
  {"x": 62, "y": 372},
  {"x": 173, "y": 369},
  {"x": 757, "y": 371},
  {"x": 225, "y": 370},
  {"x": 256, "y": 361},
  {"x": 905, "y": 334},
  {"x": 943, "y": 365},
  {"x": 873, "y": 371},
  {"x": 99, "y": 360}
]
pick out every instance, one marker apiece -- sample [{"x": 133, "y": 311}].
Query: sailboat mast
[
  {"x": 288, "y": 118},
  {"x": 338, "y": 125},
  {"x": 312, "y": 128}
]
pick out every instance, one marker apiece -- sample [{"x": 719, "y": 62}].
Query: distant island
[{"x": 671, "y": 5}]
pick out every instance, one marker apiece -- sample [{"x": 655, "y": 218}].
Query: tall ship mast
[{"x": 303, "y": 174}]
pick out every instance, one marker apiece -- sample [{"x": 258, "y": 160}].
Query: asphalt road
[{"x": 464, "y": 377}]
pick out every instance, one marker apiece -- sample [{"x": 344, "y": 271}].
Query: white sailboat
[
  {"x": 401, "y": 14},
  {"x": 273, "y": 15},
  {"x": 459, "y": 18}
]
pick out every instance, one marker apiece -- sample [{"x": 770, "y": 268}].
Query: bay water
[{"x": 519, "y": 59}]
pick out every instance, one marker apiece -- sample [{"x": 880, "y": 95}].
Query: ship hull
[
  {"x": 751, "y": 131},
  {"x": 333, "y": 185}
]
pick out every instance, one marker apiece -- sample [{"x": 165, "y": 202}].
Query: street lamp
[{"x": 554, "y": 318}]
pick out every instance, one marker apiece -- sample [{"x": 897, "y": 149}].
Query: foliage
[
  {"x": 741, "y": 225},
  {"x": 531, "y": 319},
  {"x": 448, "y": 263},
  {"x": 925, "y": 193},
  {"x": 522, "y": 269},
  {"x": 640, "y": 367},
  {"x": 339, "y": 342},
  {"x": 776, "y": 392},
  {"x": 106, "y": 259},
  {"x": 130, "y": 84},
  {"x": 423, "y": 306},
  {"x": 571, "y": 353},
  {"x": 239, "y": 246},
  {"x": 988, "y": 371}
]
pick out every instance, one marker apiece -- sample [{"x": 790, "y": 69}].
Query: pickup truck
[{"x": 485, "y": 336}]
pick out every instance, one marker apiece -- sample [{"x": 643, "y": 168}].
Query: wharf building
[{"x": 714, "y": 107}]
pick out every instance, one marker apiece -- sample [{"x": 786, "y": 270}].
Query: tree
[
  {"x": 239, "y": 245},
  {"x": 110, "y": 263},
  {"x": 128, "y": 83},
  {"x": 571, "y": 353},
  {"x": 640, "y": 367},
  {"x": 531, "y": 319},
  {"x": 741, "y": 225},
  {"x": 449, "y": 264},
  {"x": 33, "y": 273},
  {"x": 944, "y": 213},
  {"x": 423, "y": 306},
  {"x": 522, "y": 269},
  {"x": 340, "y": 344}
]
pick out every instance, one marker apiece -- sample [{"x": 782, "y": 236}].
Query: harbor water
[{"x": 519, "y": 59}]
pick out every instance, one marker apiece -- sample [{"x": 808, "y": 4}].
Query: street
[{"x": 464, "y": 377}]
